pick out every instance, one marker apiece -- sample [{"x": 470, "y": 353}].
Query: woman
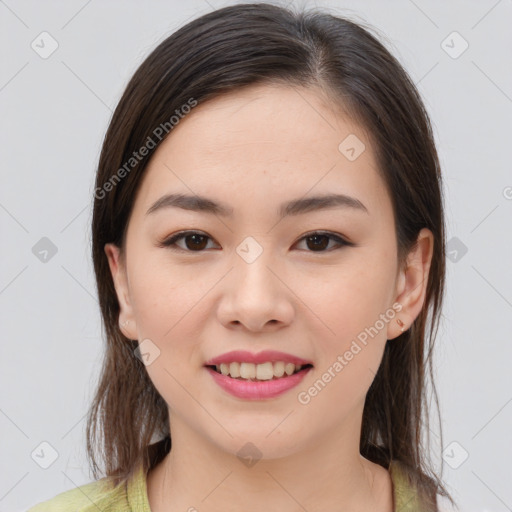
[{"x": 268, "y": 241}]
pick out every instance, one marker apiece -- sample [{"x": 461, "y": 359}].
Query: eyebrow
[{"x": 295, "y": 207}]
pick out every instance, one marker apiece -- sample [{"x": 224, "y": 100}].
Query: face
[{"x": 316, "y": 281}]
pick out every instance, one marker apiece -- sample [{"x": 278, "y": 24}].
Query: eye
[
  {"x": 320, "y": 240},
  {"x": 195, "y": 241}
]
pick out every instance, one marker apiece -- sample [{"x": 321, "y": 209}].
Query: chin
[{"x": 254, "y": 444}]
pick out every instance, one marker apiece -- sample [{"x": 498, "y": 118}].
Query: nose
[{"x": 256, "y": 297}]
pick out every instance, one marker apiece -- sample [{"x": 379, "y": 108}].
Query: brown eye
[
  {"x": 319, "y": 241},
  {"x": 194, "y": 241},
  {"x": 198, "y": 242}
]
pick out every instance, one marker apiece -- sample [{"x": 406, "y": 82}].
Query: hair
[{"x": 264, "y": 44}]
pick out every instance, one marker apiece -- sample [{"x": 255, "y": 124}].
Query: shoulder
[
  {"x": 94, "y": 496},
  {"x": 405, "y": 494},
  {"x": 102, "y": 495}
]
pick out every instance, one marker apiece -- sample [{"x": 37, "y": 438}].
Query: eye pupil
[
  {"x": 316, "y": 240},
  {"x": 197, "y": 238}
]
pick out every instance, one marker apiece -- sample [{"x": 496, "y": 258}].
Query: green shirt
[{"x": 133, "y": 497}]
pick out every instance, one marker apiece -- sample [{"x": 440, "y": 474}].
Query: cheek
[
  {"x": 352, "y": 299},
  {"x": 165, "y": 297},
  {"x": 170, "y": 309},
  {"x": 355, "y": 311},
  {"x": 349, "y": 351}
]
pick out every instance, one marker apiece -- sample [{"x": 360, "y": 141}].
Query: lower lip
[{"x": 258, "y": 390}]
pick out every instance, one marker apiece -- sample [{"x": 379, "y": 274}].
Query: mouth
[{"x": 252, "y": 372}]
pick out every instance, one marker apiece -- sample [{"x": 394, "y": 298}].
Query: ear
[
  {"x": 117, "y": 266},
  {"x": 411, "y": 284}
]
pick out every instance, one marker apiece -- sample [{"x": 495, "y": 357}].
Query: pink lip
[
  {"x": 260, "y": 390},
  {"x": 242, "y": 356}
]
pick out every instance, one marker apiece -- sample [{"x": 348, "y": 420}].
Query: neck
[{"x": 329, "y": 475}]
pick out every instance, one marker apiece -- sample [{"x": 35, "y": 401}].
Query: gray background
[{"x": 54, "y": 112}]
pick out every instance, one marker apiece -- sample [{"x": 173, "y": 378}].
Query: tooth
[
  {"x": 289, "y": 368},
  {"x": 247, "y": 370},
  {"x": 234, "y": 370},
  {"x": 279, "y": 369},
  {"x": 264, "y": 371}
]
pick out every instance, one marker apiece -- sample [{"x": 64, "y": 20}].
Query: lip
[
  {"x": 243, "y": 356},
  {"x": 252, "y": 390}
]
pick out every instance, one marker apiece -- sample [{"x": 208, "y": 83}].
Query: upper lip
[{"x": 242, "y": 356}]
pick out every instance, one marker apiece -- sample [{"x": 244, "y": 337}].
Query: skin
[{"x": 252, "y": 150}]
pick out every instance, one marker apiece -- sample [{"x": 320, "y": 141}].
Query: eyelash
[{"x": 170, "y": 242}]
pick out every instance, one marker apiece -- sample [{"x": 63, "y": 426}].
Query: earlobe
[
  {"x": 412, "y": 283},
  {"x": 127, "y": 323}
]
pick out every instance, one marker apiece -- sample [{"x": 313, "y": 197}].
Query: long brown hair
[{"x": 225, "y": 50}]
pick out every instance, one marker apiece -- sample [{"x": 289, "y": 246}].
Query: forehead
[{"x": 266, "y": 143}]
